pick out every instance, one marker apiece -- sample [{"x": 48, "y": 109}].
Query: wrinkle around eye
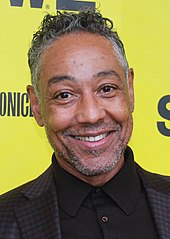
[{"x": 64, "y": 98}]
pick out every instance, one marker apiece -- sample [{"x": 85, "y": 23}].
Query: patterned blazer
[{"x": 31, "y": 211}]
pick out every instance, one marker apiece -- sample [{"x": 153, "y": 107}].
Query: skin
[{"x": 85, "y": 106}]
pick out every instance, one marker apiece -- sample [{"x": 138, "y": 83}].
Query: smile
[{"x": 92, "y": 138}]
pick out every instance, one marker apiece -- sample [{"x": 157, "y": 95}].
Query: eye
[
  {"x": 106, "y": 89},
  {"x": 63, "y": 96}
]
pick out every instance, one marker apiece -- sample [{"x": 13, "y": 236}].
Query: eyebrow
[
  {"x": 57, "y": 79},
  {"x": 107, "y": 73}
]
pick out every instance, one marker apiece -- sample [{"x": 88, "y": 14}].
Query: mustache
[{"x": 97, "y": 127}]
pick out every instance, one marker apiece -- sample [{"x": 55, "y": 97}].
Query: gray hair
[{"x": 54, "y": 26}]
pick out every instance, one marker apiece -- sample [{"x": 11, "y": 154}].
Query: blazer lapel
[
  {"x": 158, "y": 192},
  {"x": 37, "y": 215}
]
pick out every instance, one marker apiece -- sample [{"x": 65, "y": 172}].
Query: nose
[{"x": 89, "y": 110}]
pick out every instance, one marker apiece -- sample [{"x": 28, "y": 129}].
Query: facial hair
[{"x": 96, "y": 168}]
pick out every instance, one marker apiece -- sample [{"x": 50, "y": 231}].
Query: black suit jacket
[{"x": 31, "y": 211}]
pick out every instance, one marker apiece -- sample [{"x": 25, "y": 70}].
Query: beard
[
  {"x": 95, "y": 162},
  {"x": 96, "y": 167}
]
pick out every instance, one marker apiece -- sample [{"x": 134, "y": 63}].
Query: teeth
[{"x": 92, "y": 138}]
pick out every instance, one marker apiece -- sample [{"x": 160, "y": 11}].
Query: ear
[
  {"x": 131, "y": 88},
  {"x": 35, "y": 106}
]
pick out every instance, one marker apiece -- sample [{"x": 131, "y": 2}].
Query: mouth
[{"x": 92, "y": 138}]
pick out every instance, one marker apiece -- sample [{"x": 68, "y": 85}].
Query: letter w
[{"x": 33, "y": 3}]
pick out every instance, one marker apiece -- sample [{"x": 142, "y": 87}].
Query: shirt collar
[
  {"x": 124, "y": 188},
  {"x": 71, "y": 190}
]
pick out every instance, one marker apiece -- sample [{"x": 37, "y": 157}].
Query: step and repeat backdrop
[{"x": 143, "y": 26}]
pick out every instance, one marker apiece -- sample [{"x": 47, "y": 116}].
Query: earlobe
[
  {"x": 35, "y": 106},
  {"x": 131, "y": 88}
]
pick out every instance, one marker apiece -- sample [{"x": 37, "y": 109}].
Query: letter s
[{"x": 165, "y": 113}]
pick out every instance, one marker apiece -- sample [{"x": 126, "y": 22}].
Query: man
[{"x": 82, "y": 93}]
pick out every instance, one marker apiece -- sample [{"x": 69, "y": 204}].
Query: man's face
[{"x": 86, "y": 105}]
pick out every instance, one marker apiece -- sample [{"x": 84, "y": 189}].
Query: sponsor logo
[
  {"x": 15, "y": 104},
  {"x": 60, "y": 4}
]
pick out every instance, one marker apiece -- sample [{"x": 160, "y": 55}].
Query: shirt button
[
  {"x": 98, "y": 191},
  {"x": 105, "y": 219}
]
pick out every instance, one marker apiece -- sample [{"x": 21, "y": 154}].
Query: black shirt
[{"x": 117, "y": 210}]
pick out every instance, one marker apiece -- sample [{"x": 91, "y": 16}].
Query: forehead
[
  {"x": 79, "y": 53},
  {"x": 81, "y": 40}
]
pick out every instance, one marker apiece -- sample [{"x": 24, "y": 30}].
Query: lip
[
  {"x": 92, "y": 133},
  {"x": 94, "y": 145}
]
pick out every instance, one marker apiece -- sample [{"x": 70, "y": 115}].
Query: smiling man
[
  {"x": 82, "y": 93},
  {"x": 87, "y": 104}
]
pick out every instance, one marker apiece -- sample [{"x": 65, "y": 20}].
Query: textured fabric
[
  {"x": 31, "y": 211},
  {"x": 158, "y": 192}
]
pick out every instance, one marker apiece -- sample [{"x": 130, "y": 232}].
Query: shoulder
[
  {"x": 18, "y": 198},
  {"x": 155, "y": 181},
  {"x": 8, "y": 224},
  {"x": 30, "y": 189}
]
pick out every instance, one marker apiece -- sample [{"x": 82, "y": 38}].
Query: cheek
[
  {"x": 56, "y": 119},
  {"x": 120, "y": 110}
]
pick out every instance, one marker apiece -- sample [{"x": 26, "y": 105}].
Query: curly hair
[{"x": 54, "y": 26}]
